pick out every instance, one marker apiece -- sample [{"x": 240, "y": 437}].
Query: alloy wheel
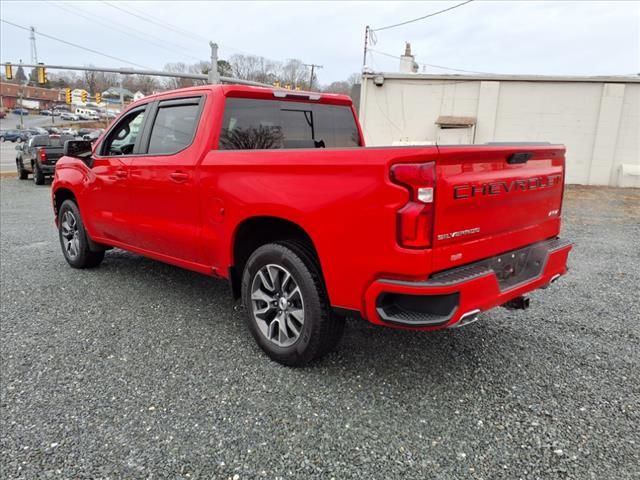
[
  {"x": 277, "y": 305},
  {"x": 70, "y": 234}
]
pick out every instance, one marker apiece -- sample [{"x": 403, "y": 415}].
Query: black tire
[
  {"x": 19, "y": 140},
  {"x": 321, "y": 329},
  {"x": 38, "y": 176},
  {"x": 338, "y": 323},
  {"x": 22, "y": 173},
  {"x": 78, "y": 255}
]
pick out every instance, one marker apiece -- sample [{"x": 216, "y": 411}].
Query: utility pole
[
  {"x": 366, "y": 41},
  {"x": 34, "y": 50},
  {"x": 313, "y": 67},
  {"x": 121, "y": 94},
  {"x": 21, "y": 92},
  {"x": 213, "y": 76}
]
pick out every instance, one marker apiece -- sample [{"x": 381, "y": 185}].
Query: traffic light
[
  {"x": 67, "y": 95},
  {"x": 8, "y": 71},
  {"x": 84, "y": 96},
  {"x": 98, "y": 98},
  {"x": 42, "y": 74}
]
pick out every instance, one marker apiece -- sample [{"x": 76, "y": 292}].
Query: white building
[
  {"x": 76, "y": 96},
  {"x": 597, "y": 118}
]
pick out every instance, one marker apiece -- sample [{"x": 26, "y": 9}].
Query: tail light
[
  {"x": 43, "y": 156},
  {"x": 415, "y": 219}
]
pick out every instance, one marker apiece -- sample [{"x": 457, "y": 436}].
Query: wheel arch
[
  {"x": 253, "y": 232},
  {"x": 60, "y": 195}
]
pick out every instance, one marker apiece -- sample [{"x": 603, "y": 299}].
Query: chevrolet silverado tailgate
[{"x": 492, "y": 195}]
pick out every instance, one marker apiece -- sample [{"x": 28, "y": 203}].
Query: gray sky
[{"x": 539, "y": 37}]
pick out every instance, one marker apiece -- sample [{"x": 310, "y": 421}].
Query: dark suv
[{"x": 14, "y": 136}]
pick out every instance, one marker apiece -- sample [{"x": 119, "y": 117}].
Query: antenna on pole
[{"x": 34, "y": 50}]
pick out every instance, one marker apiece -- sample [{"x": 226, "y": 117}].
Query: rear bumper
[{"x": 451, "y": 296}]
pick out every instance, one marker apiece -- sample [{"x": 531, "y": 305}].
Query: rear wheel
[
  {"x": 288, "y": 311},
  {"x": 1, "y": 139},
  {"x": 38, "y": 176},
  {"x": 73, "y": 238}
]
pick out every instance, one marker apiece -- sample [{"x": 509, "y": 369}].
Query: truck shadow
[{"x": 435, "y": 357}]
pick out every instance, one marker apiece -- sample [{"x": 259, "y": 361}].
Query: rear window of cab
[{"x": 250, "y": 124}]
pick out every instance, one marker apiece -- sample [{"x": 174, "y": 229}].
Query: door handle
[
  {"x": 179, "y": 177},
  {"x": 121, "y": 173}
]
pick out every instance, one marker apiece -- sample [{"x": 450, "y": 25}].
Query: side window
[
  {"x": 251, "y": 124},
  {"x": 174, "y": 127},
  {"x": 122, "y": 139}
]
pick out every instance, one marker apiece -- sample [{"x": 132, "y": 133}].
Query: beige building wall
[{"x": 598, "y": 119}]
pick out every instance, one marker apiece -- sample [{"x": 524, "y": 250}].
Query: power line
[
  {"x": 139, "y": 35},
  {"x": 156, "y": 21},
  {"x": 148, "y": 19},
  {"x": 51, "y": 37},
  {"x": 421, "y": 18},
  {"x": 168, "y": 25},
  {"x": 431, "y": 64}
]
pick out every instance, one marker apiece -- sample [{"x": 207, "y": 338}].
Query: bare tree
[
  {"x": 294, "y": 73},
  {"x": 146, "y": 84},
  {"x": 343, "y": 86},
  {"x": 90, "y": 80},
  {"x": 175, "y": 82}
]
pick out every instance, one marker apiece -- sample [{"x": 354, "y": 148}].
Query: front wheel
[
  {"x": 73, "y": 238},
  {"x": 22, "y": 173},
  {"x": 288, "y": 311}
]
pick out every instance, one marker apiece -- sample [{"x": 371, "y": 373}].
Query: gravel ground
[{"x": 142, "y": 370}]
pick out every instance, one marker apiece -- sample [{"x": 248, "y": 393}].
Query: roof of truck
[{"x": 246, "y": 91}]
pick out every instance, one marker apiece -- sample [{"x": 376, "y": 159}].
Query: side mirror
[{"x": 81, "y": 149}]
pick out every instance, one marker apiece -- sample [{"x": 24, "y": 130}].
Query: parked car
[
  {"x": 39, "y": 155},
  {"x": 283, "y": 199},
  {"x": 69, "y": 131},
  {"x": 53, "y": 130},
  {"x": 56, "y": 113},
  {"x": 14, "y": 136},
  {"x": 20, "y": 111},
  {"x": 91, "y": 135},
  {"x": 69, "y": 116},
  {"x": 36, "y": 131},
  {"x": 46, "y": 112}
]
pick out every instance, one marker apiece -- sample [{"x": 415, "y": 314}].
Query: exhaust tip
[{"x": 469, "y": 317}]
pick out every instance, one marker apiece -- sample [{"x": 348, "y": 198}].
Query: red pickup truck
[{"x": 275, "y": 191}]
